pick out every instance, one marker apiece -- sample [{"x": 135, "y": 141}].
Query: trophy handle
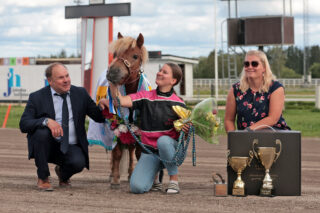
[
  {"x": 228, "y": 153},
  {"x": 280, "y": 148},
  {"x": 255, "y": 142},
  {"x": 251, "y": 157}
]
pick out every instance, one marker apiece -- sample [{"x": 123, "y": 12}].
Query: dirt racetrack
[{"x": 91, "y": 192}]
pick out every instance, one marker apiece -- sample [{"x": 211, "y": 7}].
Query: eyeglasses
[{"x": 253, "y": 63}]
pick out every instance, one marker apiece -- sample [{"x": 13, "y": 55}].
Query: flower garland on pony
[{"x": 120, "y": 130}]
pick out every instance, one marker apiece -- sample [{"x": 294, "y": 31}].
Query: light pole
[{"x": 215, "y": 51}]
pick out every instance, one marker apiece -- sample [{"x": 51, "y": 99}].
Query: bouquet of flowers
[
  {"x": 120, "y": 130},
  {"x": 204, "y": 118}
]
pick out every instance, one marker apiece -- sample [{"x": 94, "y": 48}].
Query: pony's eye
[{"x": 135, "y": 57}]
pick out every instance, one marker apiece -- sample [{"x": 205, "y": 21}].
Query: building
[{"x": 21, "y": 76}]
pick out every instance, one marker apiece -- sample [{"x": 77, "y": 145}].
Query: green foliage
[
  {"x": 276, "y": 59},
  {"x": 315, "y": 70},
  {"x": 284, "y": 63},
  {"x": 289, "y": 73},
  {"x": 294, "y": 59},
  {"x": 314, "y": 55}
]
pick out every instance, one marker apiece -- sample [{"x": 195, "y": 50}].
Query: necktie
[{"x": 65, "y": 124}]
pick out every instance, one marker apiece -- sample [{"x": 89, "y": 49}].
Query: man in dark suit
[{"x": 54, "y": 119}]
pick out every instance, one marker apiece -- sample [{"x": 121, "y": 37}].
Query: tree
[
  {"x": 277, "y": 60},
  {"x": 294, "y": 59},
  {"x": 205, "y": 68},
  {"x": 315, "y": 70},
  {"x": 314, "y": 54},
  {"x": 62, "y": 54},
  {"x": 289, "y": 73}
]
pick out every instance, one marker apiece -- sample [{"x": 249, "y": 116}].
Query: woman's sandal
[
  {"x": 156, "y": 187},
  {"x": 173, "y": 188}
]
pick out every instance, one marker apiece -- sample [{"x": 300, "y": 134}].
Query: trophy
[
  {"x": 267, "y": 156},
  {"x": 238, "y": 164}
]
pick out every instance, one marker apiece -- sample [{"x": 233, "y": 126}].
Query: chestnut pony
[{"x": 125, "y": 69}]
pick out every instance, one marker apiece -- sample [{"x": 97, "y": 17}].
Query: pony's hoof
[{"x": 115, "y": 186}]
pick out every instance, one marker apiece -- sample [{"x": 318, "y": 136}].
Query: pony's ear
[
  {"x": 119, "y": 35},
  {"x": 140, "y": 40}
]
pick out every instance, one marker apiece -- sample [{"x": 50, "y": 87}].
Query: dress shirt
[{"x": 57, "y": 103}]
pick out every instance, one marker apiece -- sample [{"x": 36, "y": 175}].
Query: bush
[
  {"x": 289, "y": 73},
  {"x": 315, "y": 70}
]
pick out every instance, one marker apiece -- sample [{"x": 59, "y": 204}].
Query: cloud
[{"x": 180, "y": 27}]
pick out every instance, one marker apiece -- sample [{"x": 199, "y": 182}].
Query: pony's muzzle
[{"x": 115, "y": 75}]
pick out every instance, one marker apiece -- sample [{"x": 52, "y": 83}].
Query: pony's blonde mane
[{"x": 121, "y": 45}]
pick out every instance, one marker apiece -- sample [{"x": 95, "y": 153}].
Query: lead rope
[{"x": 181, "y": 151}]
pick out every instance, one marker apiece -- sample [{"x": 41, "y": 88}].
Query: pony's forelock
[{"x": 121, "y": 45}]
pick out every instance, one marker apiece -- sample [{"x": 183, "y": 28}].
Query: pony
[{"x": 126, "y": 69}]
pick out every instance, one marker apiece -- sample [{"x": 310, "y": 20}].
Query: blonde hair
[
  {"x": 268, "y": 77},
  {"x": 119, "y": 46}
]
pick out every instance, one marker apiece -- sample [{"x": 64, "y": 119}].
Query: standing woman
[
  {"x": 258, "y": 99},
  {"x": 157, "y": 130}
]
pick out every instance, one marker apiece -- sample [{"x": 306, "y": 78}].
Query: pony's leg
[
  {"x": 131, "y": 160},
  {"x": 111, "y": 175},
  {"x": 116, "y": 157}
]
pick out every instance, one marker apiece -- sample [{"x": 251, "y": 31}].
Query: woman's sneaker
[
  {"x": 173, "y": 188},
  {"x": 156, "y": 187}
]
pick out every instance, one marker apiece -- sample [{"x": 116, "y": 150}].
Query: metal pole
[
  {"x": 290, "y": 7},
  {"x": 305, "y": 40},
  {"x": 215, "y": 50},
  {"x": 229, "y": 9},
  {"x": 222, "y": 48},
  {"x": 236, "y": 5}
]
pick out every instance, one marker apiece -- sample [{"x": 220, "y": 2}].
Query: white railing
[{"x": 226, "y": 83}]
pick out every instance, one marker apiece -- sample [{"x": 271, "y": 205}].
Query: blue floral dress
[{"x": 254, "y": 106}]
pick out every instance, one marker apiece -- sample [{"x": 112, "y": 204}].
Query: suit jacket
[{"x": 40, "y": 106}]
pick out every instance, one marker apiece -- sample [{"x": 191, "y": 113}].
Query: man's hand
[
  {"x": 103, "y": 104},
  {"x": 55, "y": 128}
]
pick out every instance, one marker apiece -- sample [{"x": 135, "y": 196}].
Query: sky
[{"x": 178, "y": 27}]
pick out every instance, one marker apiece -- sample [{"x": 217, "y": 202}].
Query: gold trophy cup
[
  {"x": 267, "y": 156},
  {"x": 238, "y": 164}
]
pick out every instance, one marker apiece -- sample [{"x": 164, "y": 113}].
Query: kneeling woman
[{"x": 157, "y": 130}]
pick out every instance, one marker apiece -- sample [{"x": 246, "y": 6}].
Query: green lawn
[
  {"x": 305, "y": 121},
  {"x": 14, "y": 116},
  {"x": 300, "y": 116}
]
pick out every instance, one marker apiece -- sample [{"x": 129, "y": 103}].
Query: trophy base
[
  {"x": 266, "y": 192},
  {"x": 238, "y": 192}
]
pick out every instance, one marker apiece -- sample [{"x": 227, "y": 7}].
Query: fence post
[{"x": 318, "y": 97}]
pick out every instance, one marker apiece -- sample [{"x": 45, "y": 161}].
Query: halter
[{"x": 130, "y": 71}]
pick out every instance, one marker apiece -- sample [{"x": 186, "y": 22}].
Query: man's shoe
[
  {"x": 44, "y": 185},
  {"x": 63, "y": 184}
]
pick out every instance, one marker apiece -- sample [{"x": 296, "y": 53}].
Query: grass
[
  {"x": 304, "y": 120},
  {"x": 300, "y": 116},
  {"x": 14, "y": 116}
]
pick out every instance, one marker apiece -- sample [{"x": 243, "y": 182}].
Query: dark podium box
[{"x": 285, "y": 172}]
